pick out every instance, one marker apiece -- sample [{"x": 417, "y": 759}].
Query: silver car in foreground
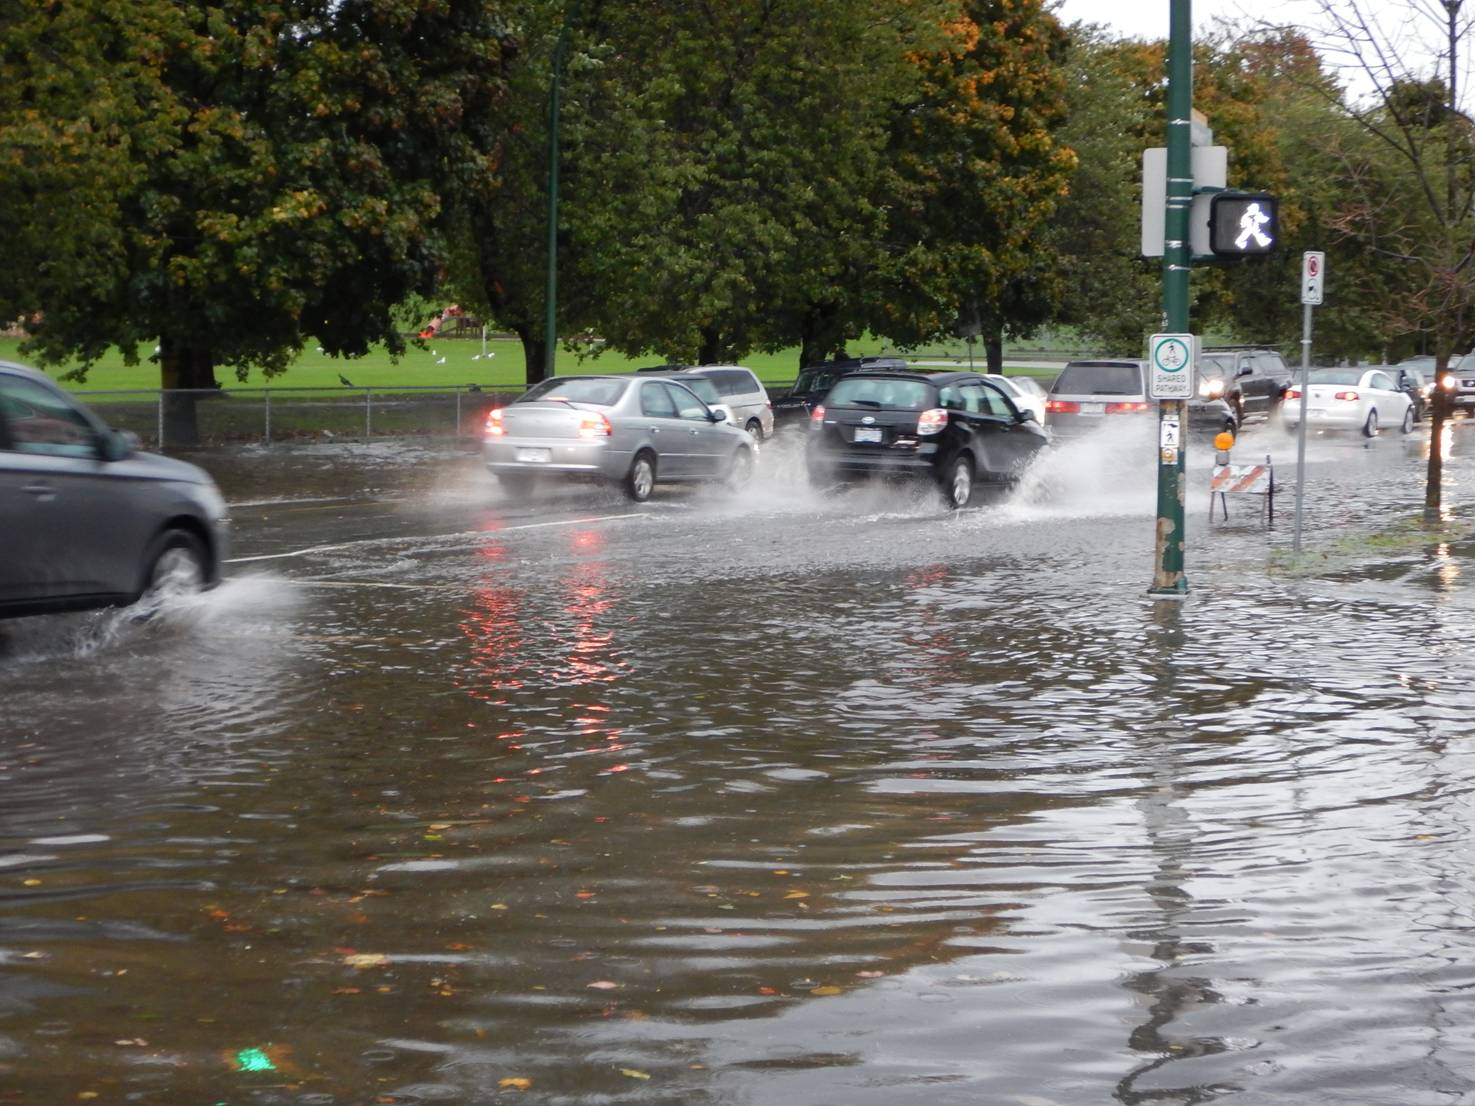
[
  {"x": 86, "y": 519},
  {"x": 630, "y": 431}
]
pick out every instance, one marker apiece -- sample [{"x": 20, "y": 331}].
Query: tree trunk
[
  {"x": 993, "y": 346},
  {"x": 187, "y": 375},
  {"x": 820, "y": 336},
  {"x": 711, "y": 351},
  {"x": 534, "y": 350}
]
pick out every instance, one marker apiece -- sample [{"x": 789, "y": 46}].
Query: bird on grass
[{"x": 345, "y": 381}]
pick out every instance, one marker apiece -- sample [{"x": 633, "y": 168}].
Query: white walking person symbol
[{"x": 1250, "y": 224}]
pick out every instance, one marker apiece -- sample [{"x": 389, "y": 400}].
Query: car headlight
[{"x": 1210, "y": 388}]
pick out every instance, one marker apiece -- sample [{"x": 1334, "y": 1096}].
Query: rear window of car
[
  {"x": 1336, "y": 376},
  {"x": 733, "y": 382},
  {"x": 598, "y": 391},
  {"x": 813, "y": 381},
  {"x": 1088, "y": 379},
  {"x": 880, "y": 391},
  {"x": 702, "y": 386}
]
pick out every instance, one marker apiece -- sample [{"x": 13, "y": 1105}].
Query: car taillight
[
  {"x": 495, "y": 429},
  {"x": 931, "y": 422},
  {"x": 1127, "y": 408},
  {"x": 817, "y": 416},
  {"x": 1345, "y": 395},
  {"x": 1062, "y": 406},
  {"x": 595, "y": 426},
  {"x": 1293, "y": 393}
]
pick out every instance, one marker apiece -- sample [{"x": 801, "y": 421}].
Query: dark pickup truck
[
  {"x": 1251, "y": 381},
  {"x": 793, "y": 407}
]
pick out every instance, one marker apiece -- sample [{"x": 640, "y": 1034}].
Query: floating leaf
[
  {"x": 366, "y": 960},
  {"x": 515, "y": 1082},
  {"x": 796, "y": 894},
  {"x": 634, "y": 1073},
  {"x": 828, "y": 991},
  {"x": 604, "y": 985}
]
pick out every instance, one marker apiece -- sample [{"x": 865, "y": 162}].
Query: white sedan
[
  {"x": 1025, "y": 391},
  {"x": 1349, "y": 399}
]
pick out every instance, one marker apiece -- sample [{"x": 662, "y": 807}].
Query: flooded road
[{"x": 792, "y": 798}]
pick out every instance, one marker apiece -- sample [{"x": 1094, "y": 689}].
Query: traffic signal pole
[{"x": 1168, "y": 580}]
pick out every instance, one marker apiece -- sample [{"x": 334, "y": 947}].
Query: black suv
[
  {"x": 948, "y": 427},
  {"x": 793, "y": 407},
  {"x": 1252, "y": 381}
]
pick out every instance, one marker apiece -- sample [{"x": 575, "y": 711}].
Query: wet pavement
[{"x": 784, "y": 798}]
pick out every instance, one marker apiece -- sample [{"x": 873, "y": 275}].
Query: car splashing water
[{"x": 447, "y": 799}]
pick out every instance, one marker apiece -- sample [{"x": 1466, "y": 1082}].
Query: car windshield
[
  {"x": 600, "y": 391},
  {"x": 880, "y": 391},
  {"x": 1336, "y": 376},
  {"x": 1099, "y": 379},
  {"x": 1466, "y": 363},
  {"x": 1215, "y": 368}
]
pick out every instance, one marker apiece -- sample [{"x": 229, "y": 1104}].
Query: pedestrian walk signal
[{"x": 1243, "y": 224}]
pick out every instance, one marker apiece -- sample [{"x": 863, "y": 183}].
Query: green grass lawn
[{"x": 443, "y": 363}]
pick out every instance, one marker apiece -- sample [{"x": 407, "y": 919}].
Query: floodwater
[{"x": 784, "y": 799}]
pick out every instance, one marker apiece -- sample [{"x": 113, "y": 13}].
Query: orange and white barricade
[{"x": 1227, "y": 480}]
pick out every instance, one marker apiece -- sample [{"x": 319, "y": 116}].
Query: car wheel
[
  {"x": 177, "y": 567},
  {"x": 1370, "y": 428},
  {"x": 640, "y": 481},
  {"x": 1408, "y": 420},
  {"x": 755, "y": 430},
  {"x": 741, "y": 469},
  {"x": 957, "y": 486}
]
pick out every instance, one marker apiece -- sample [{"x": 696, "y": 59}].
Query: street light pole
[
  {"x": 1168, "y": 580},
  {"x": 550, "y": 314}
]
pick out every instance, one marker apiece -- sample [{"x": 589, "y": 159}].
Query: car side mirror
[
  {"x": 118, "y": 445},
  {"x": 1246, "y": 371},
  {"x": 719, "y": 412},
  {"x": 1025, "y": 416}
]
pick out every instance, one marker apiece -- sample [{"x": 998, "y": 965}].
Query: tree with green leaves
[
  {"x": 978, "y": 172},
  {"x": 233, "y": 179}
]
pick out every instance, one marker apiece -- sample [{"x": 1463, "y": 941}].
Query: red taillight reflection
[
  {"x": 1344, "y": 395},
  {"x": 1127, "y": 408},
  {"x": 931, "y": 422},
  {"x": 495, "y": 429},
  {"x": 1062, "y": 406},
  {"x": 595, "y": 426},
  {"x": 1293, "y": 393}
]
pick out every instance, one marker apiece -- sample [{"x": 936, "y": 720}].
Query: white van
[{"x": 743, "y": 393}]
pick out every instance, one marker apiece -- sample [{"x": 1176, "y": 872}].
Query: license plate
[
  {"x": 535, "y": 456},
  {"x": 868, "y": 434},
  {"x": 1093, "y": 408}
]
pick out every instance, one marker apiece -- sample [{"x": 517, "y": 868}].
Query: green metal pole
[
  {"x": 550, "y": 314},
  {"x": 1167, "y": 577}
]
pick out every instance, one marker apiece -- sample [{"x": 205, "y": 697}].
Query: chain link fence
[{"x": 222, "y": 416}]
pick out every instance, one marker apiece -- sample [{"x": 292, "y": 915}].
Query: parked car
[
  {"x": 951, "y": 428},
  {"x": 1349, "y": 399},
  {"x": 794, "y": 406},
  {"x": 88, "y": 519},
  {"x": 1026, "y": 393},
  {"x": 620, "y": 429},
  {"x": 1412, "y": 381},
  {"x": 1088, "y": 395},
  {"x": 1251, "y": 381},
  {"x": 744, "y": 394},
  {"x": 1464, "y": 384}
]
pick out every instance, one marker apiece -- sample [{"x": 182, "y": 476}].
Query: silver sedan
[{"x": 633, "y": 432}]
